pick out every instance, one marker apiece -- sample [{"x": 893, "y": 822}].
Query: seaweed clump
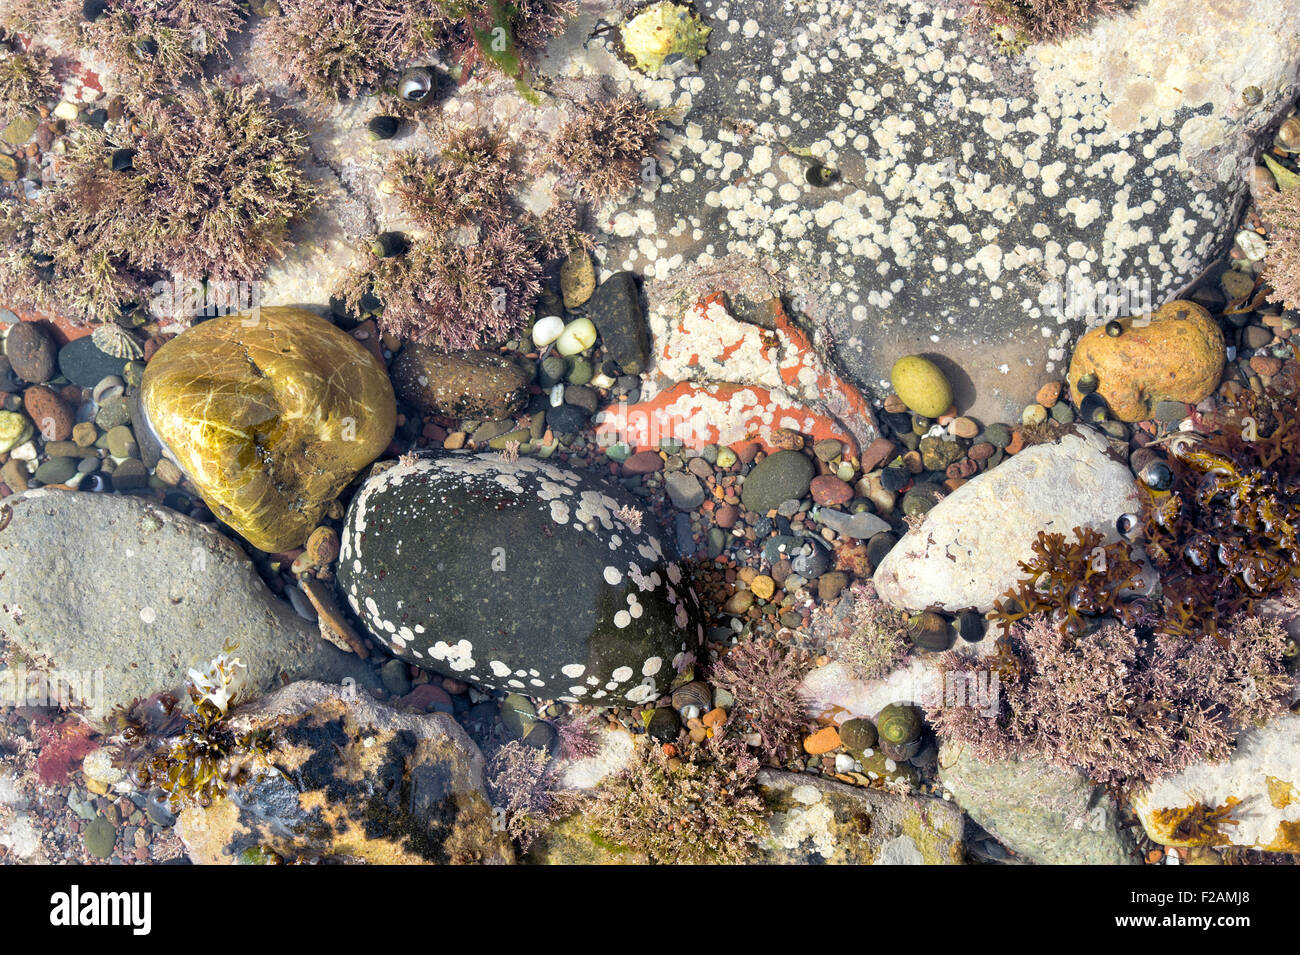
[
  {"x": 1014, "y": 24},
  {"x": 1281, "y": 210},
  {"x": 332, "y": 48},
  {"x": 1074, "y": 583},
  {"x": 25, "y": 83},
  {"x": 1223, "y": 534},
  {"x": 698, "y": 807},
  {"x": 1120, "y": 707},
  {"x": 763, "y": 677},
  {"x": 608, "y": 148},
  {"x": 198, "y": 766},
  {"x": 864, "y": 633},
  {"x": 207, "y": 188},
  {"x": 152, "y": 43},
  {"x": 473, "y": 273}
]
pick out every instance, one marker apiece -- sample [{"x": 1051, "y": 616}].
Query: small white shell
[{"x": 109, "y": 387}]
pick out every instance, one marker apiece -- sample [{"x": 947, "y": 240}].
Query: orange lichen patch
[
  {"x": 1280, "y": 792},
  {"x": 1194, "y": 825},
  {"x": 708, "y": 343},
  {"x": 1288, "y": 837},
  {"x": 723, "y": 414}
]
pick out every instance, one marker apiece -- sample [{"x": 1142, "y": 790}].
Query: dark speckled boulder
[{"x": 521, "y": 576}]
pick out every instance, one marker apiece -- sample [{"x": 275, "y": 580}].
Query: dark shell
[
  {"x": 1087, "y": 383},
  {"x": 972, "y": 626},
  {"x": 1093, "y": 408},
  {"x": 693, "y": 700},
  {"x": 664, "y": 724},
  {"x": 900, "y": 753},
  {"x": 383, "y": 127},
  {"x": 931, "y": 631}
]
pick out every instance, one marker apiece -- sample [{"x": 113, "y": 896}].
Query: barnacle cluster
[
  {"x": 1224, "y": 533},
  {"x": 1075, "y": 582}
]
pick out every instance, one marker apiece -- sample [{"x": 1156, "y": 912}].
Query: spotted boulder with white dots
[{"x": 518, "y": 575}]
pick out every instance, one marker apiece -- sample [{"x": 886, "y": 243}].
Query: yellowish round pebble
[
  {"x": 921, "y": 385},
  {"x": 763, "y": 587}
]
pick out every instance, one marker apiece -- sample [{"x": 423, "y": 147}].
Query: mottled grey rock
[
  {"x": 615, "y": 310},
  {"x": 967, "y": 551},
  {"x": 518, "y": 575},
  {"x": 782, "y": 476},
  {"x": 121, "y": 597},
  {"x": 353, "y": 780},
  {"x": 1039, "y": 810},
  {"x": 819, "y": 821}
]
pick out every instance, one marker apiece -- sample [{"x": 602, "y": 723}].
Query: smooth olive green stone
[
  {"x": 500, "y": 441},
  {"x": 56, "y": 471},
  {"x": 518, "y": 714},
  {"x": 921, "y": 385},
  {"x": 84, "y": 433},
  {"x": 99, "y": 838},
  {"x": 580, "y": 372},
  {"x": 618, "y": 452},
  {"x": 64, "y": 449},
  {"x": 20, "y": 129},
  {"x": 121, "y": 442}
]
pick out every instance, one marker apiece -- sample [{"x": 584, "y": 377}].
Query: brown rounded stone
[
  {"x": 726, "y": 516},
  {"x": 1049, "y": 394},
  {"x": 829, "y": 490},
  {"x": 981, "y": 452},
  {"x": 1175, "y": 355},
  {"x": 643, "y": 462},
  {"x": 52, "y": 417},
  {"x": 472, "y": 384}
]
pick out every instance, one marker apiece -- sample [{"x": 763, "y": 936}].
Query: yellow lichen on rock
[
  {"x": 270, "y": 415},
  {"x": 1177, "y": 354},
  {"x": 661, "y": 32}
]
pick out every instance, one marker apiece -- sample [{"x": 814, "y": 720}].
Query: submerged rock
[
  {"x": 1251, "y": 799},
  {"x": 349, "y": 779},
  {"x": 270, "y": 415},
  {"x": 472, "y": 384},
  {"x": 818, "y": 821},
  {"x": 120, "y": 597},
  {"x": 518, "y": 575},
  {"x": 1039, "y": 810},
  {"x": 966, "y": 553}
]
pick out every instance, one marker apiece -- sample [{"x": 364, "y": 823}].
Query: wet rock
[
  {"x": 966, "y": 552},
  {"x": 1037, "y": 809},
  {"x": 31, "y": 352},
  {"x": 818, "y": 821},
  {"x": 778, "y": 477},
  {"x": 615, "y": 310},
  {"x": 684, "y": 490},
  {"x": 83, "y": 364},
  {"x": 133, "y": 594},
  {"x": 862, "y": 525},
  {"x": 577, "y": 278},
  {"x": 1262, "y": 778},
  {"x": 269, "y": 420},
  {"x": 51, "y": 415},
  {"x": 539, "y": 580},
  {"x": 348, "y": 779},
  {"x": 471, "y": 384},
  {"x": 1177, "y": 355}
]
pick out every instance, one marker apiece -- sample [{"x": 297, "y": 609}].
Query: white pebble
[
  {"x": 578, "y": 336},
  {"x": 547, "y": 330}
]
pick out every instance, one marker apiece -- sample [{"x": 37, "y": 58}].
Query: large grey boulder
[
  {"x": 118, "y": 597},
  {"x": 1043, "y": 812},
  {"x": 967, "y": 550}
]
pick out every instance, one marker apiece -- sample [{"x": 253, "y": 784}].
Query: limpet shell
[{"x": 116, "y": 341}]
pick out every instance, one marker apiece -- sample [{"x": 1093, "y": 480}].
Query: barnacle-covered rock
[
  {"x": 270, "y": 414},
  {"x": 518, "y": 575},
  {"x": 343, "y": 778},
  {"x": 1175, "y": 355},
  {"x": 663, "y": 33}
]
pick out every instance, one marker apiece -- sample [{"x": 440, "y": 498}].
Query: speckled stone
[
  {"x": 518, "y": 576},
  {"x": 472, "y": 384}
]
